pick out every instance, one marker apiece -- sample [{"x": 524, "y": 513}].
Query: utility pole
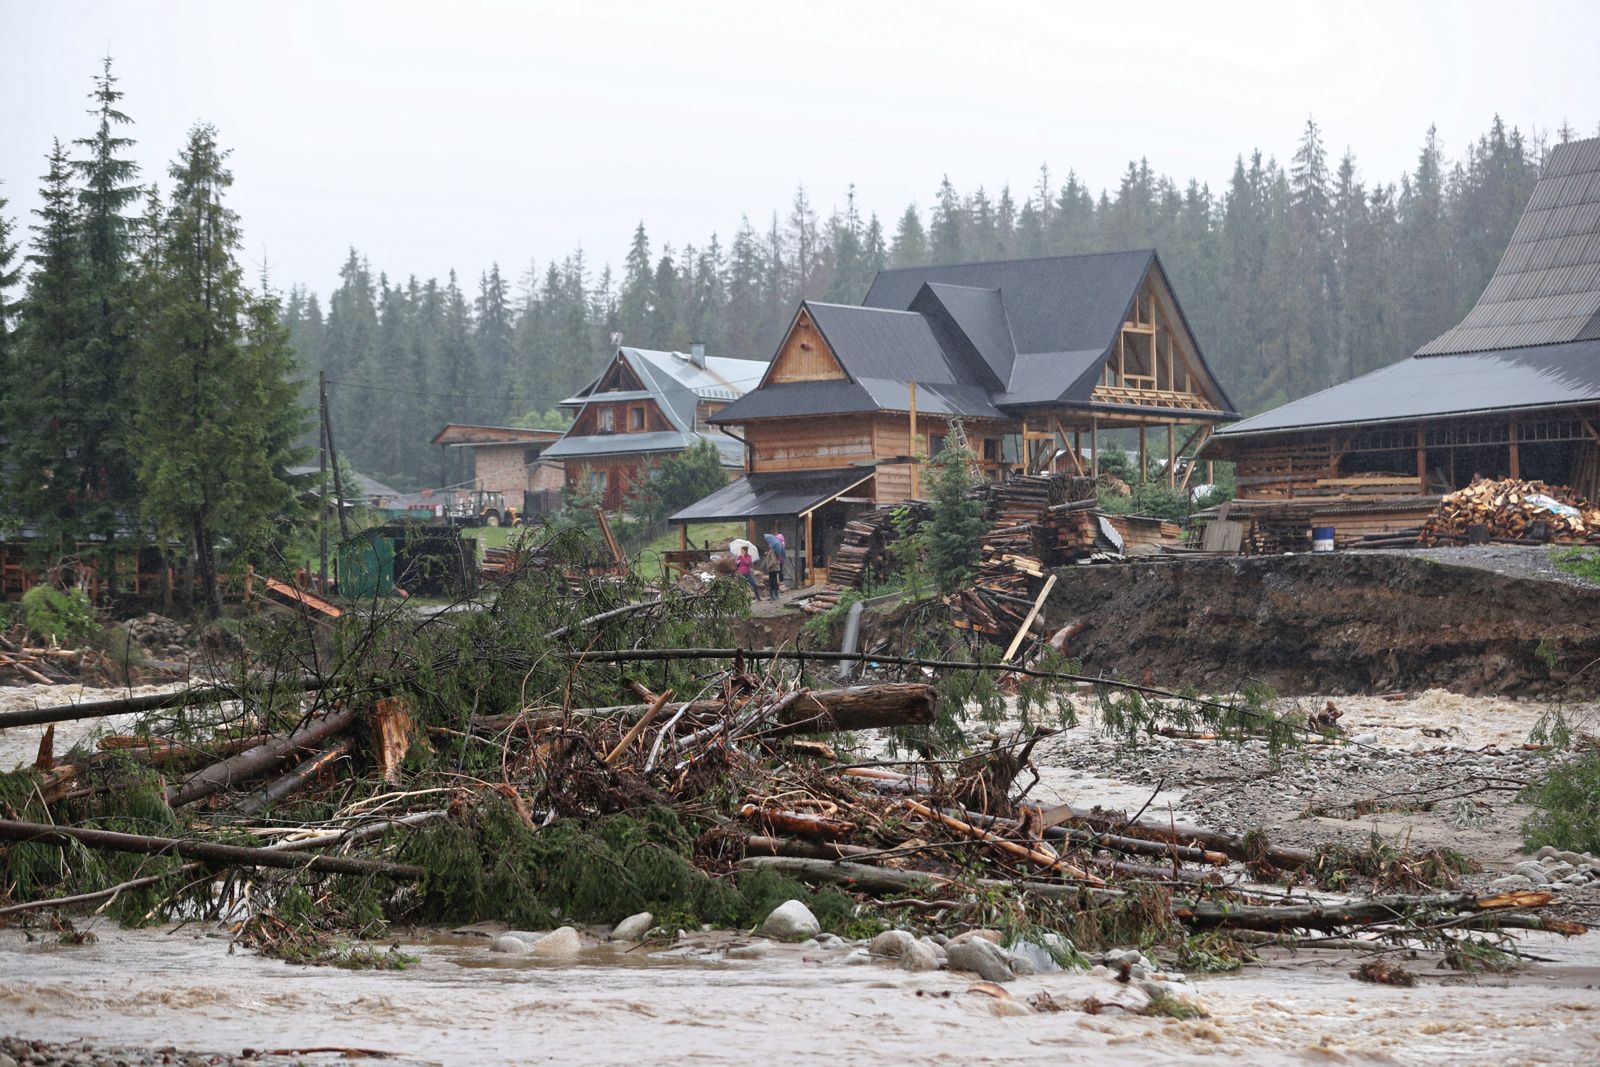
[
  {"x": 333, "y": 457},
  {"x": 322, "y": 478}
]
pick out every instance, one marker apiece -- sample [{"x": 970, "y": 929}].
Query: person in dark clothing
[{"x": 774, "y": 565}]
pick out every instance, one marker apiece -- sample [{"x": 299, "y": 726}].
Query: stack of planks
[
  {"x": 1516, "y": 511},
  {"x": 1039, "y": 521}
]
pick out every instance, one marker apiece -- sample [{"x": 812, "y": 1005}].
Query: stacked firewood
[
  {"x": 1273, "y": 537},
  {"x": 1513, "y": 510}
]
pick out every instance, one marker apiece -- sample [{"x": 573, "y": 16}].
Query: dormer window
[{"x": 607, "y": 420}]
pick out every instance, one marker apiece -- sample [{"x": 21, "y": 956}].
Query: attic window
[
  {"x": 636, "y": 418},
  {"x": 607, "y": 420}
]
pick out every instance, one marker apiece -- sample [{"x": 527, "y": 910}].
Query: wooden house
[
  {"x": 1032, "y": 358},
  {"x": 645, "y": 406},
  {"x": 1513, "y": 390}
]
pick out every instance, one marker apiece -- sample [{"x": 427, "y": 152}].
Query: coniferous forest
[{"x": 1295, "y": 275}]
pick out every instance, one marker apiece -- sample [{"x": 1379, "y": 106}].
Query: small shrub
[
  {"x": 1566, "y": 807},
  {"x": 57, "y": 616}
]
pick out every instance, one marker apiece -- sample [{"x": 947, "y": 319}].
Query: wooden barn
[
  {"x": 1512, "y": 391},
  {"x": 645, "y": 406},
  {"x": 1033, "y": 358}
]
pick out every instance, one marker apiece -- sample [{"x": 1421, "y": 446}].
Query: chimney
[{"x": 697, "y": 354}]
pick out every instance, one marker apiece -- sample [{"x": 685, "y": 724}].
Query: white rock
[
  {"x": 919, "y": 956},
  {"x": 1028, "y": 958},
  {"x": 791, "y": 921},
  {"x": 831, "y": 941},
  {"x": 1510, "y": 883},
  {"x": 562, "y": 942},
  {"x": 511, "y": 946},
  {"x": 982, "y": 957},
  {"x": 935, "y": 947},
  {"x": 857, "y": 958},
  {"x": 633, "y": 928},
  {"x": 892, "y": 943},
  {"x": 753, "y": 951}
]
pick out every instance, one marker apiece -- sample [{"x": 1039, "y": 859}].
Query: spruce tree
[
  {"x": 45, "y": 481},
  {"x": 910, "y": 248},
  {"x": 108, "y": 192},
  {"x": 10, "y": 271},
  {"x": 217, "y": 417}
]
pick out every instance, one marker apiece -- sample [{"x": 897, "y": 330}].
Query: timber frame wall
[{"x": 1421, "y": 458}]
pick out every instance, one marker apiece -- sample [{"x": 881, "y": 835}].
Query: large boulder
[
  {"x": 981, "y": 957},
  {"x": 633, "y": 928},
  {"x": 791, "y": 921}
]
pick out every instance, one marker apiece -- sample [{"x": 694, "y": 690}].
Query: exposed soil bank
[{"x": 1342, "y": 623}]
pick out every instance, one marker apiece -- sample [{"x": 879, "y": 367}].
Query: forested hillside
[{"x": 1294, "y": 276}]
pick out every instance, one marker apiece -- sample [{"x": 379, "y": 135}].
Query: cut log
[
  {"x": 254, "y": 762},
  {"x": 275, "y": 791}
]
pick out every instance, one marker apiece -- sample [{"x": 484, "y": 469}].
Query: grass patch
[
  {"x": 1578, "y": 562},
  {"x": 1566, "y": 807},
  {"x": 647, "y": 560}
]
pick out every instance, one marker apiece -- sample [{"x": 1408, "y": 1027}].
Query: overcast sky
[{"x": 439, "y": 135}]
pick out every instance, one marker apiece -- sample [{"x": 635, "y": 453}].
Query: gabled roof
[
  {"x": 1056, "y": 304},
  {"x": 1546, "y": 289},
  {"x": 973, "y": 319},
  {"x": 1441, "y": 386},
  {"x": 677, "y": 384},
  {"x": 881, "y": 343},
  {"x": 976, "y": 338}
]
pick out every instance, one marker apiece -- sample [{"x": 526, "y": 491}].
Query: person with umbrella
[{"x": 777, "y": 556}]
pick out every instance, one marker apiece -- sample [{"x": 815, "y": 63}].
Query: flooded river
[{"x": 463, "y": 1005}]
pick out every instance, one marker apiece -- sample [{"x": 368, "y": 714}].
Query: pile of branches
[
  {"x": 551, "y": 751},
  {"x": 1515, "y": 511},
  {"x": 28, "y": 663}
]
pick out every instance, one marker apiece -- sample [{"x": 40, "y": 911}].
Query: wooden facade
[{"x": 824, "y": 404}]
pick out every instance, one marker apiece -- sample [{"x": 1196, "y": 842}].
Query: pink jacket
[{"x": 743, "y": 566}]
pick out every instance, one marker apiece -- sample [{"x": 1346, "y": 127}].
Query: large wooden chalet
[
  {"x": 1512, "y": 391},
  {"x": 646, "y": 406},
  {"x": 1034, "y": 359}
]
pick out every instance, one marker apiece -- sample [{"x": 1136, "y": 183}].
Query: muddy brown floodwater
[{"x": 462, "y": 1005}]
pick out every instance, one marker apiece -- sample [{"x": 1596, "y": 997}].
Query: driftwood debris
[{"x": 211, "y": 851}]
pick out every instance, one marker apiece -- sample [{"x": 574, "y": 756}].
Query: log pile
[{"x": 1511, "y": 510}]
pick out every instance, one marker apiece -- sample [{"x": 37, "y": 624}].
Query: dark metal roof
[
  {"x": 1426, "y": 387},
  {"x": 1059, "y": 304},
  {"x": 774, "y": 494},
  {"x": 974, "y": 320},
  {"x": 788, "y": 400},
  {"x": 1546, "y": 289},
  {"x": 893, "y": 344}
]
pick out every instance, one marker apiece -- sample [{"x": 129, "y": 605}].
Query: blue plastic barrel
[{"x": 1322, "y": 539}]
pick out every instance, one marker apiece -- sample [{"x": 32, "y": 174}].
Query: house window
[
  {"x": 598, "y": 481},
  {"x": 636, "y": 418},
  {"x": 991, "y": 450},
  {"x": 607, "y": 420},
  {"x": 935, "y": 444}
]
